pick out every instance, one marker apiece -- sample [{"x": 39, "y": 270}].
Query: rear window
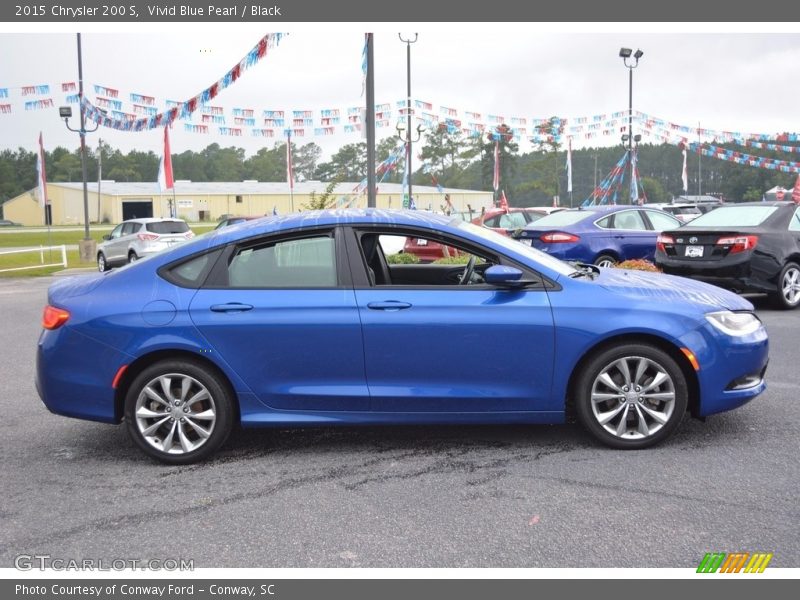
[
  {"x": 162, "y": 227},
  {"x": 564, "y": 217},
  {"x": 733, "y": 216},
  {"x": 682, "y": 210}
]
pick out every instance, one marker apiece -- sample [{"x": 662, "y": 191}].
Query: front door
[{"x": 434, "y": 345}]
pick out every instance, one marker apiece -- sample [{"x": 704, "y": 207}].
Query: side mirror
[
  {"x": 502, "y": 275},
  {"x": 107, "y": 237}
]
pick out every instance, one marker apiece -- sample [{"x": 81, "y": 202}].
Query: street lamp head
[
  {"x": 637, "y": 138},
  {"x": 625, "y": 137},
  {"x": 626, "y": 52},
  {"x": 65, "y": 112},
  {"x": 639, "y": 54}
]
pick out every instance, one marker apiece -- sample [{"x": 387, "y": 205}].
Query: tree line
[{"x": 444, "y": 156}]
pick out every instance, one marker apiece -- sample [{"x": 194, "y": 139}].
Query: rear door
[
  {"x": 281, "y": 312},
  {"x": 631, "y": 237}
]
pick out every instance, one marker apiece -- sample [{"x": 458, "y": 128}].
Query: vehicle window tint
[
  {"x": 129, "y": 228},
  {"x": 191, "y": 273},
  {"x": 117, "y": 232},
  {"x": 630, "y": 220},
  {"x": 492, "y": 222},
  {"x": 162, "y": 227},
  {"x": 662, "y": 221},
  {"x": 794, "y": 224},
  {"x": 606, "y": 222},
  {"x": 513, "y": 220},
  {"x": 564, "y": 217},
  {"x": 733, "y": 216},
  {"x": 307, "y": 262}
]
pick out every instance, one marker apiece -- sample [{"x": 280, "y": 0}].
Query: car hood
[{"x": 658, "y": 287}]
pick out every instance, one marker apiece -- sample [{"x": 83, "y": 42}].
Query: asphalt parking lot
[{"x": 520, "y": 496}]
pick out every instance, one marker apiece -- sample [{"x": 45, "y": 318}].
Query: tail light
[
  {"x": 53, "y": 317},
  {"x": 559, "y": 237},
  {"x": 147, "y": 237},
  {"x": 738, "y": 243},
  {"x": 662, "y": 240}
]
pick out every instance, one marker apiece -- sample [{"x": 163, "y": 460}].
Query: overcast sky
[{"x": 740, "y": 81}]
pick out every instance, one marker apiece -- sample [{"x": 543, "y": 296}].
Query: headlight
[{"x": 734, "y": 323}]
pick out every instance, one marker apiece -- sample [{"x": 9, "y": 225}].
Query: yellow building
[{"x": 118, "y": 201}]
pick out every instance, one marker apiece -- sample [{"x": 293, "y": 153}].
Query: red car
[{"x": 499, "y": 220}]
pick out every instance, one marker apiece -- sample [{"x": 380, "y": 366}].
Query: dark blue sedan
[
  {"x": 303, "y": 320},
  {"x": 599, "y": 235}
]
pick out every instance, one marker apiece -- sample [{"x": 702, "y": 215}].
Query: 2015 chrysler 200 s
[{"x": 300, "y": 320}]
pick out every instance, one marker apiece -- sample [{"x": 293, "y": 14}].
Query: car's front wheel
[
  {"x": 631, "y": 396},
  {"x": 788, "y": 294},
  {"x": 178, "y": 411}
]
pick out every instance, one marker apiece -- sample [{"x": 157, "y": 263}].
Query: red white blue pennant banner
[{"x": 186, "y": 108}]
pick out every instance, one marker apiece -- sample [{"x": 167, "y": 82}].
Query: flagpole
[{"x": 289, "y": 170}]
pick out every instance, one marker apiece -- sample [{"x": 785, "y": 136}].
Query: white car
[
  {"x": 683, "y": 212},
  {"x": 137, "y": 238}
]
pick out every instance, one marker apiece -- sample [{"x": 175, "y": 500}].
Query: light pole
[
  {"x": 87, "y": 244},
  {"x": 625, "y": 54},
  {"x": 408, "y": 136}
]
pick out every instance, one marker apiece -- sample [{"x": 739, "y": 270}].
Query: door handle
[
  {"x": 388, "y": 305},
  {"x": 231, "y": 307}
]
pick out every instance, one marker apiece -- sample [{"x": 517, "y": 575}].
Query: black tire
[
  {"x": 102, "y": 264},
  {"x": 787, "y": 296},
  {"x": 635, "y": 402},
  {"x": 605, "y": 260},
  {"x": 132, "y": 257},
  {"x": 143, "y": 412}
]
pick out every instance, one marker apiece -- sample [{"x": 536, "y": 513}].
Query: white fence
[{"x": 41, "y": 250}]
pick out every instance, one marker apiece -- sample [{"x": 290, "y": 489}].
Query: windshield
[
  {"x": 733, "y": 216},
  {"x": 508, "y": 243},
  {"x": 564, "y": 217}
]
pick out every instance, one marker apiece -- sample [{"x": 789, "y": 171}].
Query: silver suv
[{"x": 136, "y": 238}]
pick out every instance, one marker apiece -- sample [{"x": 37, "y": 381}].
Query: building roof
[{"x": 149, "y": 188}]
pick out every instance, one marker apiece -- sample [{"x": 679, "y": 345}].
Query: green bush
[
  {"x": 402, "y": 258},
  {"x": 458, "y": 259}
]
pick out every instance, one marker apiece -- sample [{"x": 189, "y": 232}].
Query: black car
[{"x": 749, "y": 247}]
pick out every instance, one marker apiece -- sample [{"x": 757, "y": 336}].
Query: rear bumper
[
  {"x": 74, "y": 375},
  {"x": 735, "y": 275}
]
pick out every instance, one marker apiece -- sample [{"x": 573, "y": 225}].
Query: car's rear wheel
[
  {"x": 178, "y": 412},
  {"x": 102, "y": 265},
  {"x": 788, "y": 294},
  {"x": 605, "y": 260},
  {"x": 631, "y": 396},
  {"x": 132, "y": 257}
]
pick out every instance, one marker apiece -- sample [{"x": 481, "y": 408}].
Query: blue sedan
[
  {"x": 599, "y": 235},
  {"x": 304, "y": 320}
]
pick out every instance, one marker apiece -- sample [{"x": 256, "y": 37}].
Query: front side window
[
  {"x": 297, "y": 263},
  {"x": 117, "y": 231},
  {"x": 662, "y": 221}
]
